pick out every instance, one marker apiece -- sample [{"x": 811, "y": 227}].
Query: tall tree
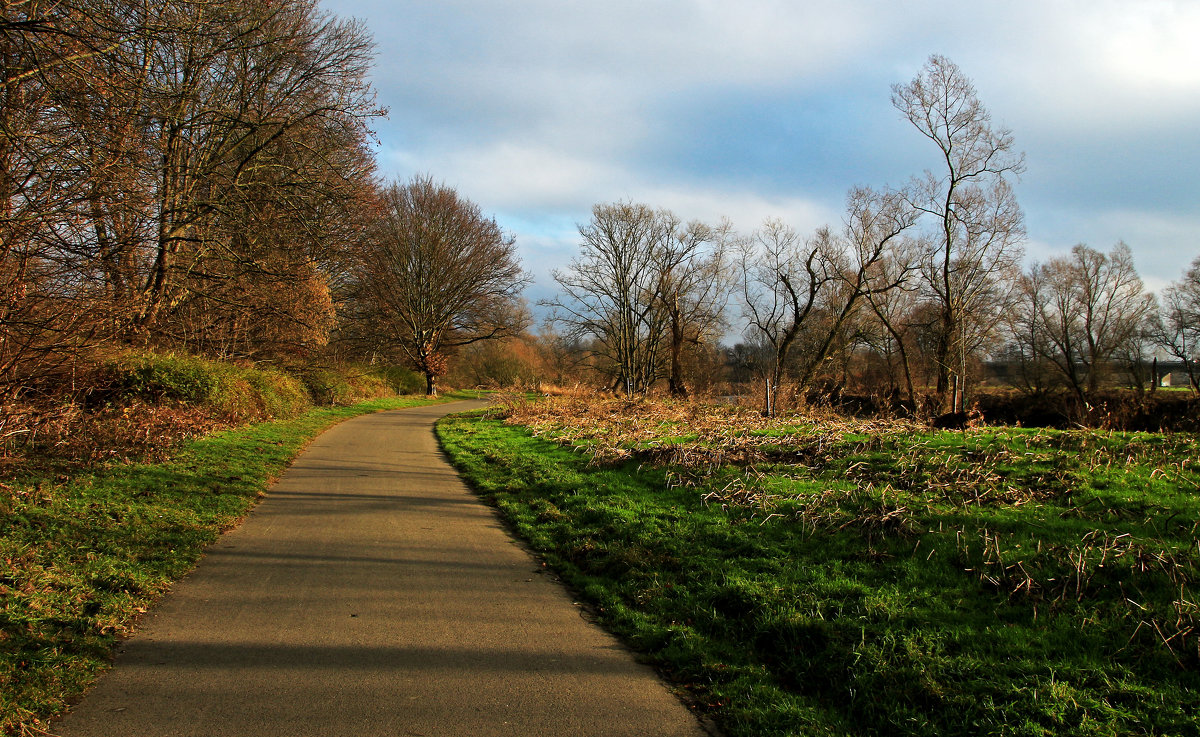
[
  {"x": 693, "y": 288},
  {"x": 435, "y": 274},
  {"x": 47, "y": 314},
  {"x": 979, "y": 226},
  {"x": 801, "y": 295},
  {"x": 783, "y": 279},
  {"x": 879, "y": 225},
  {"x": 175, "y": 172},
  {"x": 889, "y": 329}
]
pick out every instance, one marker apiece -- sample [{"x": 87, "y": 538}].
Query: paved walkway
[{"x": 371, "y": 594}]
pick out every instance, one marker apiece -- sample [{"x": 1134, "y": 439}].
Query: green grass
[
  {"x": 82, "y": 558},
  {"x": 992, "y": 582}
]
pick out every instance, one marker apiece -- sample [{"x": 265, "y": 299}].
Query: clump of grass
[{"x": 813, "y": 575}]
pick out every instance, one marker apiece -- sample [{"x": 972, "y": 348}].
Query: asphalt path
[{"x": 370, "y": 593}]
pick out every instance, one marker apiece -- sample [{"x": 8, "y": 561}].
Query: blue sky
[{"x": 538, "y": 109}]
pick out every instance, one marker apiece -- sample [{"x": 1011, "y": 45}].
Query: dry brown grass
[
  {"x": 32, "y": 436},
  {"x": 687, "y": 434},
  {"x": 1053, "y": 576}
]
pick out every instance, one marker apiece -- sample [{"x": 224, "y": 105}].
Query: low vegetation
[
  {"x": 109, "y": 497},
  {"x": 812, "y": 575}
]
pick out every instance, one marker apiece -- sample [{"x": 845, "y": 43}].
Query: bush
[
  {"x": 326, "y": 386},
  {"x": 260, "y": 393},
  {"x": 349, "y": 384},
  {"x": 156, "y": 377},
  {"x": 236, "y": 393},
  {"x": 400, "y": 379}
]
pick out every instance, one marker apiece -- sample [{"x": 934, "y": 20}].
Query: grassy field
[
  {"x": 82, "y": 557},
  {"x": 818, "y": 576}
]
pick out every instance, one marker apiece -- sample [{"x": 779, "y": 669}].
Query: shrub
[
  {"x": 235, "y": 393},
  {"x": 156, "y": 377},
  {"x": 350, "y": 384},
  {"x": 254, "y": 393},
  {"x": 326, "y": 386},
  {"x": 402, "y": 380}
]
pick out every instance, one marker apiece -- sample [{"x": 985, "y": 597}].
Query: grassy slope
[
  {"x": 861, "y": 589},
  {"x": 80, "y": 559}
]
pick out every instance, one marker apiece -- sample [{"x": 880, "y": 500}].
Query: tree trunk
[
  {"x": 675, "y": 382},
  {"x": 945, "y": 343}
]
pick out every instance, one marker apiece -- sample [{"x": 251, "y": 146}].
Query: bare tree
[
  {"x": 435, "y": 274},
  {"x": 48, "y": 313},
  {"x": 889, "y": 331},
  {"x": 979, "y": 226},
  {"x": 632, "y": 264},
  {"x": 693, "y": 288},
  {"x": 878, "y": 259},
  {"x": 179, "y": 172},
  {"x": 1028, "y": 345},
  {"x": 800, "y": 295},
  {"x": 782, "y": 276},
  {"x": 1086, "y": 310},
  {"x": 1178, "y": 330}
]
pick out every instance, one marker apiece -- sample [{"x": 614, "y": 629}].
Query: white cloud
[
  {"x": 538, "y": 109},
  {"x": 1150, "y": 46},
  {"x": 1096, "y": 66}
]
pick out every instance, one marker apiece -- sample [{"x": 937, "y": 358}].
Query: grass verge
[
  {"x": 878, "y": 580},
  {"x": 81, "y": 558}
]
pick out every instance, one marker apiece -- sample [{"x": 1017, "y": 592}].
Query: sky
[{"x": 539, "y": 109}]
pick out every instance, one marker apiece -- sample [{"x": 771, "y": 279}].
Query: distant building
[{"x": 1174, "y": 378}]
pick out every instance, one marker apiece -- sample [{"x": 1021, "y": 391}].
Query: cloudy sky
[{"x": 538, "y": 109}]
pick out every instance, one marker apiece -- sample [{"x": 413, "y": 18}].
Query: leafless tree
[
  {"x": 1178, "y": 330},
  {"x": 48, "y": 313},
  {"x": 248, "y": 123},
  {"x": 879, "y": 261},
  {"x": 979, "y": 226},
  {"x": 1028, "y": 346},
  {"x": 1084, "y": 311},
  {"x": 801, "y": 295},
  {"x": 181, "y": 172},
  {"x": 643, "y": 286},
  {"x": 889, "y": 329},
  {"x": 435, "y": 274},
  {"x": 693, "y": 288},
  {"x": 783, "y": 276}
]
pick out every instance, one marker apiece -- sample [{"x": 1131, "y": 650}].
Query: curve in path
[{"x": 370, "y": 593}]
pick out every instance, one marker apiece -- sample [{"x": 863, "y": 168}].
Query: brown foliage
[{"x": 33, "y": 437}]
